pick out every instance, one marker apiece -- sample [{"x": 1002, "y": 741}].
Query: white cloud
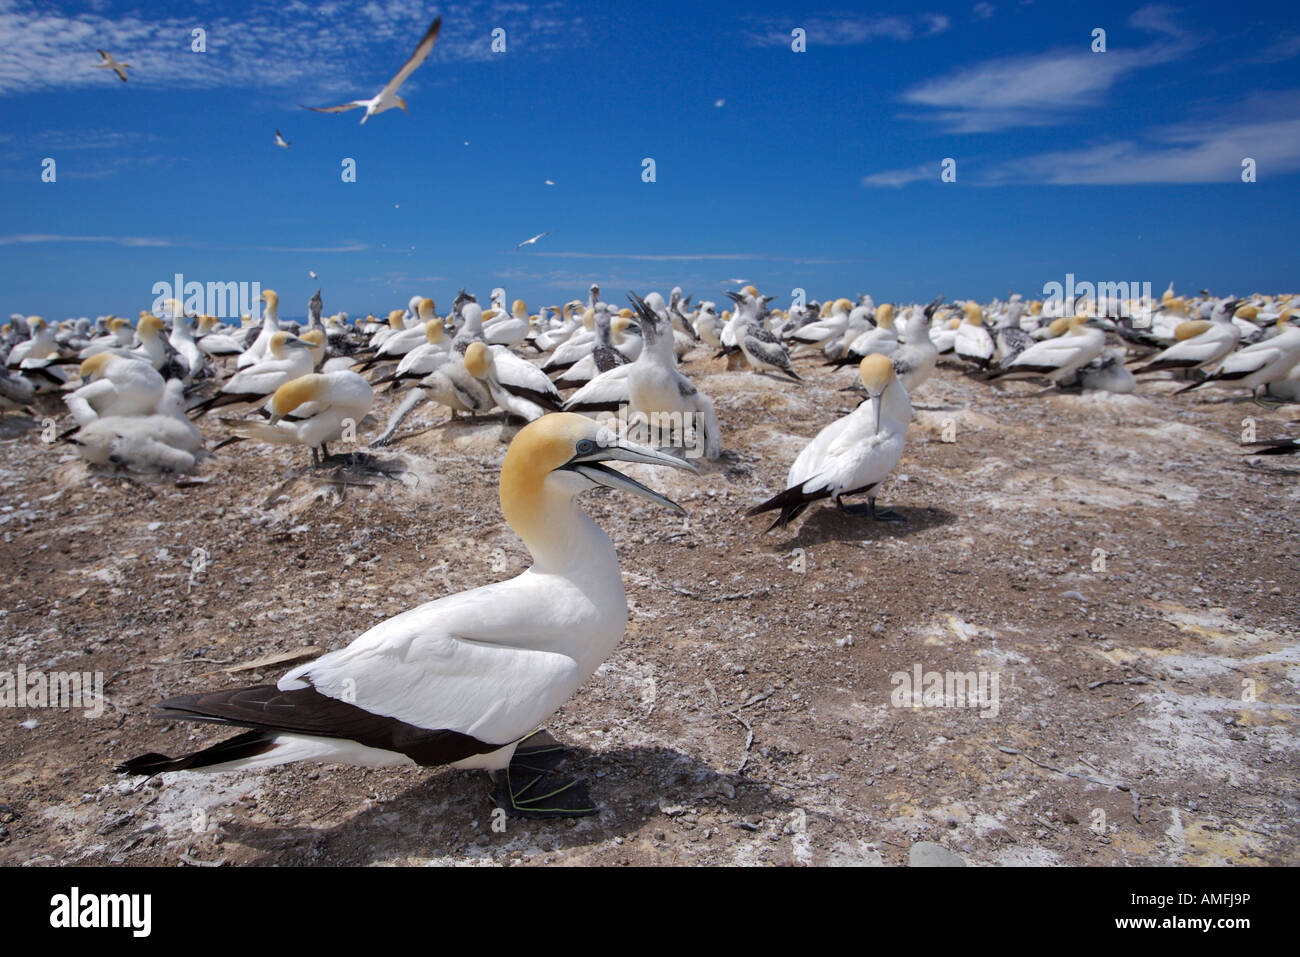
[
  {"x": 1041, "y": 89},
  {"x": 982, "y": 11},
  {"x": 17, "y": 239},
  {"x": 901, "y": 177},
  {"x": 343, "y": 47}
]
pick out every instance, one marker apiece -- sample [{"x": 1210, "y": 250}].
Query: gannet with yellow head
[
  {"x": 460, "y": 680},
  {"x": 261, "y": 345},
  {"x": 288, "y": 358},
  {"x": 115, "y": 385},
  {"x": 852, "y": 455}
]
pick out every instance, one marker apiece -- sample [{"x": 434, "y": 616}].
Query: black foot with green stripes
[{"x": 531, "y": 788}]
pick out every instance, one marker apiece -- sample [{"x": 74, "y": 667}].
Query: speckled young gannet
[
  {"x": 460, "y": 680},
  {"x": 851, "y": 455}
]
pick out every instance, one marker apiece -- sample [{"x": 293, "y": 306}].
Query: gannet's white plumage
[
  {"x": 852, "y": 455},
  {"x": 115, "y": 385},
  {"x": 323, "y": 402},
  {"x": 459, "y": 680},
  {"x": 1057, "y": 358},
  {"x": 165, "y": 441},
  {"x": 289, "y": 358}
]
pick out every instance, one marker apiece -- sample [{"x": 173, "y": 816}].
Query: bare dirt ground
[{"x": 1147, "y": 702}]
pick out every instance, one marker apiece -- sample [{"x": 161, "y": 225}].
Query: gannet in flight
[
  {"x": 387, "y": 98},
  {"x": 281, "y": 141},
  {"x": 111, "y": 64},
  {"x": 853, "y": 454},
  {"x": 529, "y": 242},
  {"x": 460, "y": 680}
]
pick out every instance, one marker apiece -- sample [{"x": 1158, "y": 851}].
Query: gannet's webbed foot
[
  {"x": 869, "y": 510},
  {"x": 530, "y": 788}
]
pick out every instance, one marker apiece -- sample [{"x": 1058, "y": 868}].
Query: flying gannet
[{"x": 387, "y": 98}]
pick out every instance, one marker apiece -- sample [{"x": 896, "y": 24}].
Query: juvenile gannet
[
  {"x": 111, "y": 64},
  {"x": 462, "y": 679},
  {"x": 761, "y": 348},
  {"x": 387, "y": 98},
  {"x": 851, "y": 455},
  {"x": 655, "y": 386}
]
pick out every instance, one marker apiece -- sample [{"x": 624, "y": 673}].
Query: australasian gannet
[
  {"x": 1057, "y": 358},
  {"x": 164, "y": 441},
  {"x": 387, "y": 98},
  {"x": 112, "y": 64},
  {"x": 460, "y": 680},
  {"x": 852, "y": 455},
  {"x": 114, "y": 385},
  {"x": 289, "y": 357},
  {"x": 325, "y": 403}
]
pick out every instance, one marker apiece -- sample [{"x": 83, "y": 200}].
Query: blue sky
[{"x": 819, "y": 169}]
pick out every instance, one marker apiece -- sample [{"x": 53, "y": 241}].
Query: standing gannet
[
  {"x": 916, "y": 356},
  {"x": 851, "y": 455},
  {"x": 459, "y": 680},
  {"x": 112, "y": 64},
  {"x": 290, "y": 358},
  {"x": 257, "y": 351},
  {"x": 387, "y": 98},
  {"x": 325, "y": 404},
  {"x": 761, "y": 348},
  {"x": 114, "y": 385}
]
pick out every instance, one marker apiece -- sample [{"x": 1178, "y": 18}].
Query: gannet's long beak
[
  {"x": 875, "y": 410},
  {"x": 589, "y": 466}
]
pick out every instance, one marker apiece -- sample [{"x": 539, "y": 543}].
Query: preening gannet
[
  {"x": 851, "y": 455},
  {"x": 115, "y": 385},
  {"x": 387, "y": 98},
  {"x": 325, "y": 403},
  {"x": 459, "y": 680}
]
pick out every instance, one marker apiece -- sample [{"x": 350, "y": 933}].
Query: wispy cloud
[
  {"x": 17, "y": 239},
  {"x": 844, "y": 29},
  {"x": 336, "y": 46},
  {"x": 1265, "y": 129},
  {"x": 901, "y": 177},
  {"x": 1201, "y": 152},
  {"x": 1043, "y": 89},
  {"x": 982, "y": 11}
]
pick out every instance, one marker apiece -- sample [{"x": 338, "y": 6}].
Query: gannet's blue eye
[{"x": 586, "y": 447}]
